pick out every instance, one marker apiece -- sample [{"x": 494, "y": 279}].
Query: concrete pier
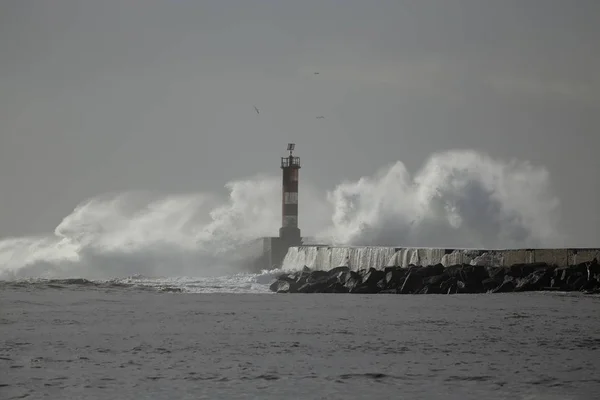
[
  {"x": 328, "y": 257},
  {"x": 288, "y": 252}
]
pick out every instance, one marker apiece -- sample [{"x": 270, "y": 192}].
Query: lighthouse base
[
  {"x": 275, "y": 248},
  {"x": 290, "y": 234}
]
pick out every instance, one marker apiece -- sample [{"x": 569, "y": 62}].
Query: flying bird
[
  {"x": 256, "y": 109},
  {"x": 320, "y": 116},
  {"x": 316, "y": 73}
]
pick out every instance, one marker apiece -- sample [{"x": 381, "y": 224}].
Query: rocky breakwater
[{"x": 437, "y": 279}]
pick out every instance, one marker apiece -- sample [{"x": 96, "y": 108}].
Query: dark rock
[
  {"x": 490, "y": 284},
  {"x": 344, "y": 276},
  {"x": 373, "y": 276},
  {"x": 593, "y": 270},
  {"x": 431, "y": 289},
  {"x": 581, "y": 267},
  {"x": 453, "y": 271},
  {"x": 314, "y": 287},
  {"x": 413, "y": 283},
  {"x": 520, "y": 270},
  {"x": 537, "y": 280},
  {"x": 472, "y": 277},
  {"x": 497, "y": 273},
  {"x": 479, "y": 272},
  {"x": 447, "y": 284},
  {"x": 317, "y": 276},
  {"x": 507, "y": 286},
  {"x": 280, "y": 286},
  {"x": 452, "y": 288},
  {"x": 576, "y": 281},
  {"x": 293, "y": 277},
  {"x": 394, "y": 276},
  {"x": 590, "y": 285},
  {"x": 337, "y": 270},
  {"x": 469, "y": 287},
  {"x": 432, "y": 285},
  {"x": 393, "y": 269},
  {"x": 560, "y": 277},
  {"x": 544, "y": 266},
  {"x": 361, "y": 272},
  {"x": 353, "y": 283},
  {"x": 333, "y": 281},
  {"x": 362, "y": 288},
  {"x": 435, "y": 279},
  {"x": 300, "y": 277},
  {"x": 430, "y": 270},
  {"x": 349, "y": 279},
  {"x": 337, "y": 288}
]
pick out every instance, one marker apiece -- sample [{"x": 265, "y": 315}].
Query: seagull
[
  {"x": 256, "y": 109},
  {"x": 316, "y": 73},
  {"x": 320, "y": 116}
]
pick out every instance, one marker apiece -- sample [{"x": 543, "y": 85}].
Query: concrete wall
[
  {"x": 507, "y": 257},
  {"x": 559, "y": 257},
  {"x": 274, "y": 251},
  {"x": 323, "y": 257},
  {"x": 583, "y": 255}
]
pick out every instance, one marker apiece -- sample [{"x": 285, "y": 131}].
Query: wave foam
[{"x": 458, "y": 199}]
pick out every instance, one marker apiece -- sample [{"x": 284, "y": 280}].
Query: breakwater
[
  {"x": 323, "y": 257},
  {"x": 371, "y": 270},
  {"x": 438, "y": 279}
]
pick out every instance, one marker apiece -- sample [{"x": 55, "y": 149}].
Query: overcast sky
[{"x": 112, "y": 95}]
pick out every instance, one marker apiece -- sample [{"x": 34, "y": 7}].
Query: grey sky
[{"x": 102, "y": 96}]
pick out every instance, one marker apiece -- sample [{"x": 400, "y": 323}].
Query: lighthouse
[
  {"x": 290, "y": 167},
  {"x": 275, "y": 248}
]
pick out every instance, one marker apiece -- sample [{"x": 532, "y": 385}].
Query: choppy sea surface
[{"x": 230, "y": 339}]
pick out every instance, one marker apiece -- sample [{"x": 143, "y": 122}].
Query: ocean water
[
  {"x": 131, "y": 339},
  {"x": 458, "y": 199},
  {"x": 155, "y": 333}
]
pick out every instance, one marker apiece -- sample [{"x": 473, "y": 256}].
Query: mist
[
  {"x": 122, "y": 122},
  {"x": 457, "y": 199}
]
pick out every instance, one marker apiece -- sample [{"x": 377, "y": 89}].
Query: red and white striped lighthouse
[{"x": 290, "y": 166}]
